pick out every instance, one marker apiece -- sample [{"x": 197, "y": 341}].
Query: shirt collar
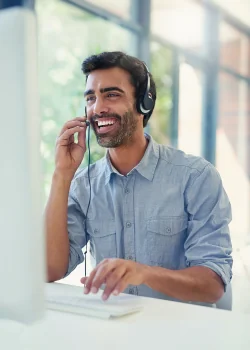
[{"x": 147, "y": 165}]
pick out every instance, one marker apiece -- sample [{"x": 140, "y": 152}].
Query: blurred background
[{"x": 199, "y": 54}]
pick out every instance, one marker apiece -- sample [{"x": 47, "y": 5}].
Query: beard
[{"x": 125, "y": 127}]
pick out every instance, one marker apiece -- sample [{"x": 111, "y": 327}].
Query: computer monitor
[{"x": 22, "y": 270}]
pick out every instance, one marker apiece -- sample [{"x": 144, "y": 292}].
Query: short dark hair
[{"x": 132, "y": 65}]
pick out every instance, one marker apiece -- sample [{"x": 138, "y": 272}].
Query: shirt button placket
[{"x": 129, "y": 239}]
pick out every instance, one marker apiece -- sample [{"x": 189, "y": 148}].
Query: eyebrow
[{"x": 107, "y": 89}]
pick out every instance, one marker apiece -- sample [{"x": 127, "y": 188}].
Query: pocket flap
[
  {"x": 101, "y": 228},
  {"x": 167, "y": 226}
]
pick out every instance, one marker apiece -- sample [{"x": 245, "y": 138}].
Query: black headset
[{"x": 145, "y": 103}]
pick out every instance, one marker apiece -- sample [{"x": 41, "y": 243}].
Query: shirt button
[
  {"x": 130, "y": 257},
  {"x": 96, "y": 230},
  {"x": 131, "y": 291},
  {"x": 127, "y": 190},
  {"x": 128, "y": 224},
  {"x": 168, "y": 229}
]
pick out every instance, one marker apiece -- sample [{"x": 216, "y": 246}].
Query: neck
[{"x": 126, "y": 157}]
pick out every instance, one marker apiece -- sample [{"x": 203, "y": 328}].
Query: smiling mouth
[{"x": 105, "y": 125}]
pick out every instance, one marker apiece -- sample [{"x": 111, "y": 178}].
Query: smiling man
[{"x": 158, "y": 219}]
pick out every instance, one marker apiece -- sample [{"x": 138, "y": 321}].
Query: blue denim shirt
[{"x": 171, "y": 211}]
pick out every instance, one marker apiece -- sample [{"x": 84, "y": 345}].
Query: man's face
[{"x": 111, "y": 106}]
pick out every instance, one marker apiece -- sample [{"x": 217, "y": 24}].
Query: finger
[
  {"x": 83, "y": 280},
  {"x": 81, "y": 138},
  {"x": 112, "y": 280},
  {"x": 67, "y": 135},
  {"x": 73, "y": 123},
  {"x": 104, "y": 273},
  {"x": 122, "y": 284},
  {"x": 88, "y": 280},
  {"x": 71, "y": 139},
  {"x": 100, "y": 275},
  {"x": 82, "y": 119}
]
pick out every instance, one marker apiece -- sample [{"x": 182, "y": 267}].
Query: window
[
  {"x": 232, "y": 152},
  {"x": 239, "y": 9},
  {"x": 232, "y": 161},
  {"x": 66, "y": 36},
  {"x": 234, "y": 49},
  {"x": 122, "y": 9},
  {"x": 161, "y": 59},
  {"x": 190, "y": 109},
  {"x": 179, "y": 22}
]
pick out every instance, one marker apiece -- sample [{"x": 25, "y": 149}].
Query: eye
[
  {"x": 90, "y": 98},
  {"x": 112, "y": 94}
]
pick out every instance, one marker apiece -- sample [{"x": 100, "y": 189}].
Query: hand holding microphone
[{"x": 69, "y": 153}]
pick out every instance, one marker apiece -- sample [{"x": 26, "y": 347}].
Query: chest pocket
[
  {"x": 102, "y": 237},
  {"x": 165, "y": 241}
]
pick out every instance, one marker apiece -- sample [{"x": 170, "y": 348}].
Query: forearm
[
  {"x": 57, "y": 241},
  {"x": 198, "y": 284}
]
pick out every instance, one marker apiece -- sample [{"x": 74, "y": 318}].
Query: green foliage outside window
[{"x": 66, "y": 35}]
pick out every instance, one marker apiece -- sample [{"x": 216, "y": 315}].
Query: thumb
[{"x": 83, "y": 280}]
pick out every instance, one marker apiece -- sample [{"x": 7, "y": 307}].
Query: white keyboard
[{"x": 93, "y": 305}]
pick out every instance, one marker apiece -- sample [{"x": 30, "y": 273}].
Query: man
[{"x": 158, "y": 218}]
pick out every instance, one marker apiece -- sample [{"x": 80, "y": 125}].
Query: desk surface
[{"x": 162, "y": 323}]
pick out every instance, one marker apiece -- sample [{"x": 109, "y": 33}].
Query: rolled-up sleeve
[
  {"x": 76, "y": 231},
  {"x": 208, "y": 241}
]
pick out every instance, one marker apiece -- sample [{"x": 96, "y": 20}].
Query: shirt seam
[
  {"x": 184, "y": 165},
  {"x": 195, "y": 178}
]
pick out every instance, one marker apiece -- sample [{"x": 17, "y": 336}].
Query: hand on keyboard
[{"x": 116, "y": 274}]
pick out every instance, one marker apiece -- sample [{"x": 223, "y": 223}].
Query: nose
[{"x": 100, "y": 107}]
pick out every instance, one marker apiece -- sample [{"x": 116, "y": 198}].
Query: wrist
[
  {"x": 63, "y": 176},
  {"x": 153, "y": 275},
  {"x": 147, "y": 272}
]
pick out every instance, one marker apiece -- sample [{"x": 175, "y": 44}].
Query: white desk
[{"x": 162, "y": 325}]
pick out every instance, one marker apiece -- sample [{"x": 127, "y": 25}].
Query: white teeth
[{"x": 107, "y": 122}]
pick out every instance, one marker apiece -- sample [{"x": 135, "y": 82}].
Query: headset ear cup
[
  {"x": 145, "y": 103},
  {"x": 148, "y": 103}
]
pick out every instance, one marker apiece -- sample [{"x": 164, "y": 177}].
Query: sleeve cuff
[
  {"x": 74, "y": 260},
  {"x": 224, "y": 271}
]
